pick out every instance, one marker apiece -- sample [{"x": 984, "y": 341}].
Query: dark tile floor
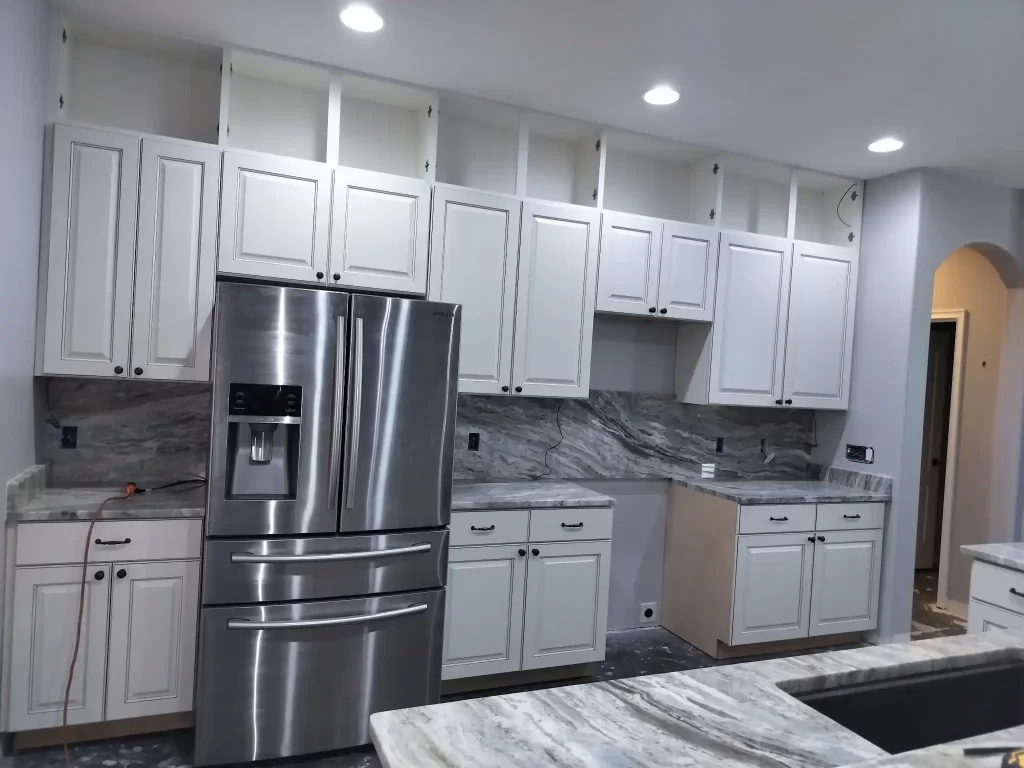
[
  {"x": 630, "y": 653},
  {"x": 928, "y": 619}
]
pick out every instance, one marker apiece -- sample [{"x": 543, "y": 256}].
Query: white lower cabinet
[
  {"x": 997, "y": 598},
  {"x": 527, "y": 605},
  {"x": 847, "y": 568},
  {"x": 772, "y": 596},
  {"x": 982, "y": 617}
]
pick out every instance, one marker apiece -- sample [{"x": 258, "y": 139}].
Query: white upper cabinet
[
  {"x": 819, "y": 340},
  {"x": 89, "y": 257},
  {"x": 847, "y": 569},
  {"x": 555, "y": 300},
  {"x": 379, "y": 232},
  {"x": 749, "y": 331},
  {"x": 631, "y": 254},
  {"x": 689, "y": 266},
  {"x": 772, "y": 599},
  {"x": 828, "y": 209},
  {"x": 474, "y": 254},
  {"x": 274, "y": 217},
  {"x": 175, "y": 261}
]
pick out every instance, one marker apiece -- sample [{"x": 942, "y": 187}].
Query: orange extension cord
[{"x": 129, "y": 492}]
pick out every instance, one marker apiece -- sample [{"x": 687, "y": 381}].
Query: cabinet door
[
  {"x": 628, "y": 273},
  {"x": 175, "y": 266},
  {"x": 45, "y": 614},
  {"x": 982, "y": 617},
  {"x": 153, "y": 614},
  {"x": 844, "y": 593},
  {"x": 772, "y": 594},
  {"x": 275, "y": 214},
  {"x": 566, "y": 604},
  {"x": 380, "y": 224},
  {"x": 483, "y": 620},
  {"x": 819, "y": 342},
  {"x": 749, "y": 331},
  {"x": 474, "y": 252},
  {"x": 689, "y": 266},
  {"x": 555, "y": 300},
  {"x": 90, "y": 255}
]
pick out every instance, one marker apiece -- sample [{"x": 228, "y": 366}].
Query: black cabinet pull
[
  {"x": 138, "y": 371},
  {"x": 778, "y": 519},
  {"x": 99, "y": 575},
  {"x": 663, "y": 311},
  {"x": 572, "y": 525},
  {"x": 118, "y": 370},
  {"x": 103, "y": 543},
  {"x": 522, "y": 553},
  {"x": 821, "y": 538},
  {"x": 535, "y": 552},
  {"x": 778, "y": 402},
  {"x": 789, "y": 402},
  {"x": 319, "y": 275},
  {"x": 504, "y": 389},
  {"x": 336, "y": 276},
  {"x": 519, "y": 389},
  {"x": 482, "y": 528},
  {"x": 1015, "y": 592},
  {"x": 810, "y": 539},
  {"x": 121, "y": 573},
  {"x": 851, "y": 517},
  {"x": 652, "y": 310}
]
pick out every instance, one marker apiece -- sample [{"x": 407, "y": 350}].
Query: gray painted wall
[{"x": 633, "y": 354}]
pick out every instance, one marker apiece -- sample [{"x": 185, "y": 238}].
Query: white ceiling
[{"x": 804, "y": 82}]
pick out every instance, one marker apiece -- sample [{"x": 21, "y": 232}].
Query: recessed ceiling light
[
  {"x": 661, "y": 95},
  {"x": 888, "y": 144},
  {"x": 361, "y": 18}
]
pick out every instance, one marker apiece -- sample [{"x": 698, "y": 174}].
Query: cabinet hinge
[
  {"x": 850, "y": 237},
  {"x": 221, "y": 69},
  {"x": 426, "y": 166},
  {"x": 714, "y": 168},
  {"x": 64, "y": 35},
  {"x": 712, "y": 214},
  {"x": 430, "y": 110},
  {"x": 61, "y": 101},
  {"x": 598, "y": 145},
  {"x": 595, "y": 193},
  {"x": 231, "y": 69},
  {"x": 854, "y": 195}
]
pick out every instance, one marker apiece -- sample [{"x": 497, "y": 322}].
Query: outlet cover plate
[{"x": 653, "y": 608}]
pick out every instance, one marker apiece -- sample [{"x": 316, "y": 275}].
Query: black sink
[{"x": 916, "y": 711}]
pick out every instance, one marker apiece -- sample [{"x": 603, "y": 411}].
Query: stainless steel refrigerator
[{"x": 326, "y": 531}]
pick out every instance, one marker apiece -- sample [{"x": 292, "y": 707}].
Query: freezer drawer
[
  {"x": 275, "y": 570},
  {"x": 290, "y": 679}
]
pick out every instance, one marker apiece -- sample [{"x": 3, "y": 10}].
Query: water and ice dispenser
[{"x": 264, "y": 423}]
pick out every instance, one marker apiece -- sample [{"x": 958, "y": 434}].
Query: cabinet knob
[
  {"x": 504, "y": 389},
  {"x": 821, "y": 538},
  {"x": 810, "y": 539},
  {"x": 99, "y": 576},
  {"x": 522, "y": 553},
  {"x": 519, "y": 389},
  {"x": 652, "y": 310},
  {"x": 789, "y": 402},
  {"x": 778, "y": 402},
  {"x": 319, "y": 275},
  {"x": 138, "y": 371},
  {"x": 336, "y": 277},
  {"x": 118, "y": 370},
  {"x": 121, "y": 573},
  {"x": 663, "y": 311},
  {"x": 535, "y": 552}
]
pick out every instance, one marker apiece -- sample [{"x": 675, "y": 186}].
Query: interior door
[
  {"x": 689, "y": 266},
  {"x": 847, "y": 567},
  {"x": 942, "y": 341},
  {"x": 555, "y": 300},
  {"x": 400, "y": 432},
  {"x": 819, "y": 340},
  {"x": 772, "y": 598},
  {"x": 90, "y": 259},
  {"x": 474, "y": 254},
  {"x": 175, "y": 267},
  {"x": 749, "y": 330},
  {"x": 631, "y": 252}
]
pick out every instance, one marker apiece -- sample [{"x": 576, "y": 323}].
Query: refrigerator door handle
[
  {"x": 337, "y": 621},
  {"x": 328, "y": 557},
  {"x": 338, "y": 410},
  {"x": 357, "y": 407}
]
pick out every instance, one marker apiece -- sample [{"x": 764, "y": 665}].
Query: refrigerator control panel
[{"x": 264, "y": 400}]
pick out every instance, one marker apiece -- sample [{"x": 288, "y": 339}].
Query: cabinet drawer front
[
  {"x": 64, "y": 542},
  {"x": 777, "y": 518},
  {"x": 501, "y": 526},
  {"x": 838, "y": 517},
  {"x": 993, "y": 584},
  {"x": 570, "y": 524},
  {"x": 982, "y": 617}
]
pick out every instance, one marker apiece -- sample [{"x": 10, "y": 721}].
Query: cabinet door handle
[
  {"x": 663, "y": 311},
  {"x": 504, "y": 389},
  {"x": 821, "y": 538},
  {"x": 789, "y": 402},
  {"x": 810, "y": 539},
  {"x": 103, "y": 543},
  {"x": 99, "y": 575},
  {"x": 652, "y": 310},
  {"x": 572, "y": 525},
  {"x": 482, "y": 528},
  {"x": 522, "y": 553},
  {"x": 851, "y": 517},
  {"x": 519, "y": 389},
  {"x": 778, "y": 402},
  {"x": 121, "y": 573},
  {"x": 138, "y": 371},
  {"x": 535, "y": 552},
  {"x": 1016, "y": 593},
  {"x": 778, "y": 519},
  {"x": 118, "y": 370}
]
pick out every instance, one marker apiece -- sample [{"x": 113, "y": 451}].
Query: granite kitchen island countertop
[
  {"x": 727, "y": 717},
  {"x": 780, "y": 491},
  {"x": 1008, "y": 555},
  {"x": 525, "y": 495},
  {"x": 80, "y": 503}
]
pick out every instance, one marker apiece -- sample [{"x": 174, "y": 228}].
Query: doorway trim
[{"x": 959, "y": 317}]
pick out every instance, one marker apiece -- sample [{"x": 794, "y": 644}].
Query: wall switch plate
[
  {"x": 862, "y": 454},
  {"x": 648, "y": 613},
  {"x": 69, "y": 437},
  {"x": 474, "y": 441}
]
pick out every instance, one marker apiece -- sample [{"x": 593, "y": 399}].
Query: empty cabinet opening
[
  {"x": 477, "y": 144},
  {"x": 663, "y": 179},
  {"x": 755, "y": 197},
  {"x": 387, "y": 127},
  {"x": 278, "y": 106},
  {"x": 137, "y": 82},
  {"x": 563, "y": 160},
  {"x": 828, "y": 209}
]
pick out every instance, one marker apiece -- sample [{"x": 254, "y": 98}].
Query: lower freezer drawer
[{"x": 297, "y": 678}]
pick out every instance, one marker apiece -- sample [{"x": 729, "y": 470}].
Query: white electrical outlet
[{"x": 644, "y": 617}]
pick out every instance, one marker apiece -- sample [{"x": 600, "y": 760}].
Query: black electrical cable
[
  {"x": 561, "y": 437},
  {"x": 852, "y": 186},
  {"x": 192, "y": 483},
  {"x": 814, "y": 429}
]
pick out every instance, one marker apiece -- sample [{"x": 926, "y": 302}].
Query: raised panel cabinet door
[
  {"x": 749, "y": 329},
  {"x": 275, "y": 217},
  {"x": 772, "y": 591},
  {"x": 844, "y": 592},
  {"x": 689, "y": 266},
  {"x": 483, "y": 619},
  {"x": 819, "y": 342},
  {"x": 90, "y": 253},
  {"x": 474, "y": 252},
  {"x": 154, "y": 608},
  {"x": 628, "y": 270},
  {"x": 982, "y": 617},
  {"x": 556, "y": 288},
  {"x": 43, "y": 639},
  {"x": 566, "y": 615},
  {"x": 175, "y": 266},
  {"x": 379, "y": 234}
]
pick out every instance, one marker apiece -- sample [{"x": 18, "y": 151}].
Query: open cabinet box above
[
  {"x": 828, "y": 208},
  {"x": 755, "y": 196},
  {"x": 477, "y": 144},
  {"x": 563, "y": 162}
]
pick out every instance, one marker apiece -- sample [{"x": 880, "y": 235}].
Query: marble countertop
[
  {"x": 727, "y": 717},
  {"x": 525, "y": 495},
  {"x": 780, "y": 491},
  {"x": 1010, "y": 554},
  {"x": 80, "y": 503}
]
